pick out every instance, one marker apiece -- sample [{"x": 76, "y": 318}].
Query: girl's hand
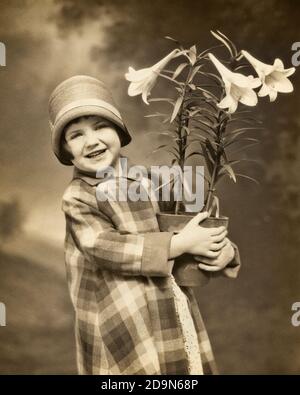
[
  {"x": 197, "y": 240},
  {"x": 219, "y": 263}
]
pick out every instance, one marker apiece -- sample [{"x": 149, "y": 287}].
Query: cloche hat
[{"x": 78, "y": 96}]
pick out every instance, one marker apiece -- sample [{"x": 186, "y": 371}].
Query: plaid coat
[{"x": 120, "y": 282}]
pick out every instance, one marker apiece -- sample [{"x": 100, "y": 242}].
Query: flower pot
[{"x": 186, "y": 271}]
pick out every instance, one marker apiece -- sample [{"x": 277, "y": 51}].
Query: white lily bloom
[
  {"x": 238, "y": 87},
  {"x": 142, "y": 81},
  {"x": 274, "y": 77}
]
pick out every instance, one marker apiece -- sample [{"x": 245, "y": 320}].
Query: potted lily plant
[{"x": 204, "y": 120}]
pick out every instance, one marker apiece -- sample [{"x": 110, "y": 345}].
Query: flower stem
[
  {"x": 182, "y": 122},
  {"x": 220, "y": 150}
]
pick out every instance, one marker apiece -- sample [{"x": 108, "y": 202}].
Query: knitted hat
[{"x": 78, "y": 96}]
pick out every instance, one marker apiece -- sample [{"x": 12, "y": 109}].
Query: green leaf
[
  {"x": 163, "y": 133},
  {"x": 193, "y": 54},
  {"x": 176, "y": 108},
  {"x": 236, "y": 140},
  {"x": 201, "y": 55},
  {"x": 211, "y": 76},
  {"x": 157, "y": 114},
  {"x": 201, "y": 131},
  {"x": 247, "y": 120},
  {"x": 159, "y": 148},
  {"x": 211, "y": 149},
  {"x": 230, "y": 171},
  {"x": 223, "y": 41},
  {"x": 194, "y": 72},
  {"x": 242, "y": 66},
  {"x": 161, "y": 99},
  {"x": 198, "y": 139},
  {"x": 210, "y": 126},
  {"x": 243, "y": 148},
  {"x": 193, "y": 153},
  {"x": 207, "y": 112},
  {"x": 208, "y": 160},
  {"x": 243, "y": 112},
  {"x": 188, "y": 131},
  {"x": 179, "y": 69},
  {"x": 171, "y": 181},
  {"x": 237, "y": 131},
  {"x": 248, "y": 177},
  {"x": 236, "y": 161},
  {"x": 208, "y": 94},
  {"x": 229, "y": 42},
  {"x": 174, "y": 154},
  {"x": 172, "y": 39}
]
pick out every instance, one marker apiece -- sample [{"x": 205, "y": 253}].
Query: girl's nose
[{"x": 91, "y": 139}]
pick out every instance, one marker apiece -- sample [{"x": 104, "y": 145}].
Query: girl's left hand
[{"x": 219, "y": 263}]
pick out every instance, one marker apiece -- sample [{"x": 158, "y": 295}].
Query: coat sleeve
[{"x": 96, "y": 237}]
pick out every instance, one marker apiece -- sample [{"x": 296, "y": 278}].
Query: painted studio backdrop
[{"x": 248, "y": 319}]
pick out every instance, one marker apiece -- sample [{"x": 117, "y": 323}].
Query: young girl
[{"x": 130, "y": 315}]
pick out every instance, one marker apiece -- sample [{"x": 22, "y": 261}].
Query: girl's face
[{"x": 93, "y": 143}]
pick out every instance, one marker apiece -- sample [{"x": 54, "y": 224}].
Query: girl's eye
[
  {"x": 101, "y": 126},
  {"x": 74, "y": 136}
]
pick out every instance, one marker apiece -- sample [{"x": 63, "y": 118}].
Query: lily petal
[
  {"x": 226, "y": 102},
  {"x": 290, "y": 71},
  {"x": 145, "y": 95},
  {"x": 137, "y": 75},
  {"x": 279, "y": 82},
  {"x": 249, "y": 97},
  {"x": 264, "y": 91},
  {"x": 135, "y": 88},
  {"x": 278, "y": 64},
  {"x": 273, "y": 95}
]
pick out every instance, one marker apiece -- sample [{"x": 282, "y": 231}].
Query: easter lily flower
[
  {"x": 274, "y": 77},
  {"x": 142, "y": 81},
  {"x": 238, "y": 87}
]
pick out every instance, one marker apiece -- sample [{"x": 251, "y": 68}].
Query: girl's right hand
[{"x": 197, "y": 240}]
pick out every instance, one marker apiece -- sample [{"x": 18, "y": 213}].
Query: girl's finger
[
  {"x": 206, "y": 261},
  {"x": 218, "y": 246},
  {"x": 217, "y": 231},
  {"x": 213, "y": 254},
  {"x": 220, "y": 236},
  {"x": 199, "y": 218},
  {"x": 208, "y": 268},
  {"x": 203, "y": 259}
]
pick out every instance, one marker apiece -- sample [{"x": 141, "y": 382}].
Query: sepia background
[{"x": 248, "y": 319}]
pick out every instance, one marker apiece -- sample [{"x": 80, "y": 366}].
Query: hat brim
[{"x": 80, "y": 112}]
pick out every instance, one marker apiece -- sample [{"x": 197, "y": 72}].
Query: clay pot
[{"x": 186, "y": 271}]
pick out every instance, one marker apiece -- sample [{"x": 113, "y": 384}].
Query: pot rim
[{"x": 168, "y": 214}]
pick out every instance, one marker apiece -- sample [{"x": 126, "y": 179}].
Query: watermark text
[
  {"x": 2, "y": 314},
  {"x": 296, "y": 56},
  {"x": 2, "y": 54},
  {"x": 158, "y": 183},
  {"x": 295, "y": 320}
]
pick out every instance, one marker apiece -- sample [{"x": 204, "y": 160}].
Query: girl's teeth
[{"x": 96, "y": 154}]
